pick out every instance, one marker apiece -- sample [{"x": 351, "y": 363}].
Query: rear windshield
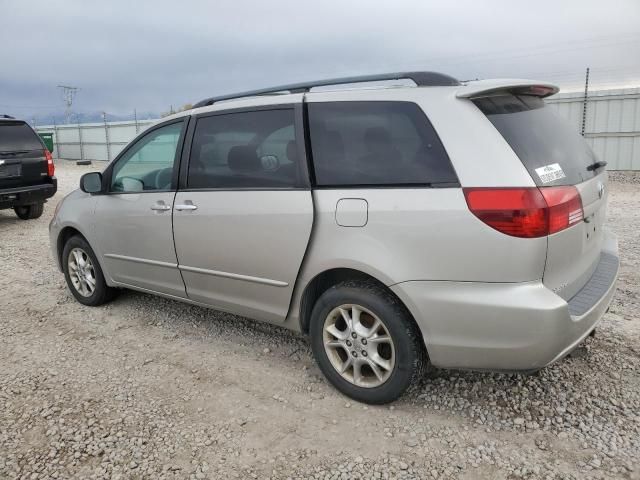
[
  {"x": 18, "y": 136},
  {"x": 550, "y": 149}
]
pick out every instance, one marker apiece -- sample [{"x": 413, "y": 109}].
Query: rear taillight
[
  {"x": 526, "y": 212},
  {"x": 565, "y": 207},
  {"x": 51, "y": 168}
]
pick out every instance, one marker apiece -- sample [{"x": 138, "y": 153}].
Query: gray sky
[{"x": 151, "y": 54}]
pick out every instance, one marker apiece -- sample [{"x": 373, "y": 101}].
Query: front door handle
[
  {"x": 160, "y": 207},
  {"x": 188, "y": 205}
]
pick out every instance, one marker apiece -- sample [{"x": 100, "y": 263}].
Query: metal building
[
  {"x": 612, "y": 125},
  {"x": 93, "y": 141}
]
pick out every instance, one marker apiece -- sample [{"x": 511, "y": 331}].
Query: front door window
[{"x": 148, "y": 165}]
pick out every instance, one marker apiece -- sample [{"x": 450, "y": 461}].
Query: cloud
[{"x": 152, "y": 54}]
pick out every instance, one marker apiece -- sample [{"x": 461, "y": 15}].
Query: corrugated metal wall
[
  {"x": 612, "y": 125},
  {"x": 93, "y": 141},
  {"x": 612, "y": 128}
]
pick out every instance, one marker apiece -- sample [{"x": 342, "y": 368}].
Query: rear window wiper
[{"x": 597, "y": 165}]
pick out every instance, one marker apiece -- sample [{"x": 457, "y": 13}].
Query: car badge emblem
[{"x": 600, "y": 190}]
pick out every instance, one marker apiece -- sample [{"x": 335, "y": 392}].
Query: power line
[
  {"x": 628, "y": 70},
  {"x": 28, "y": 106},
  {"x": 545, "y": 49}
]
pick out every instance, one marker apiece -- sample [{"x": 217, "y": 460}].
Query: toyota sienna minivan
[{"x": 416, "y": 220}]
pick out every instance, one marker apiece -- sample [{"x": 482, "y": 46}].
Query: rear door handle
[
  {"x": 160, "y": 207},
  {"x": 187, "y": 205}
]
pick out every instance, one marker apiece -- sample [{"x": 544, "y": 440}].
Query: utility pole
[
  {"x": 68, "y": 94},
  {"x": 135, "y": 119},
  {"x": 57, "y": 138},
  {"x": 584, "y": 102},
  {"x": 106, "y": 136},
  {"x": 81, "y": 162}
]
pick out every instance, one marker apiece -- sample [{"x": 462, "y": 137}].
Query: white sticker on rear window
[{"x": 549, "y": 173}]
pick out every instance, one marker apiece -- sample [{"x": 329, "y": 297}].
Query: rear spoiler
[{"x": 487, "y": 88}]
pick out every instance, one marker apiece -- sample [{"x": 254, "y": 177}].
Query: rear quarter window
[
  {"x": 376, "y": 144},
  {"x": 16, "y": 136},
  {"x": 540, "y": 138}
]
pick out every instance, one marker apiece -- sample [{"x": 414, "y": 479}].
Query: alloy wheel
[
  {"x": 359, "y": 345},
  {"x": 81, "y": 272}
]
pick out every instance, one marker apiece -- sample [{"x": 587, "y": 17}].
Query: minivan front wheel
[
  {"x": 365, "y": 342},
  {"x": 83, "y": 273}
]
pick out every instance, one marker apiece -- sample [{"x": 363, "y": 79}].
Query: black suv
[{"x": 26, "y": 169}]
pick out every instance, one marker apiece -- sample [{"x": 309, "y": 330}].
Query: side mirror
[{"x": 91, "y": 182}]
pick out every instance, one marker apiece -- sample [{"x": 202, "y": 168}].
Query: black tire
[
  {"x": 29, "y": 212},
  {"x": 102, "y": 293},
  {"x": 410, "y": 354}
]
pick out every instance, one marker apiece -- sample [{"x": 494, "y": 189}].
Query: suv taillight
[
  {"x": 528, "y": 212},
  {"x": 51, "y": 168}
]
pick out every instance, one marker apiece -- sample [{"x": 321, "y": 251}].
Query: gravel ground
[{"x": 150, "y": 388}]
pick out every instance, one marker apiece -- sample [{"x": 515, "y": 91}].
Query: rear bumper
[
  {"x": 27, "y": 195},
  {"x": 508, "y": 326}
]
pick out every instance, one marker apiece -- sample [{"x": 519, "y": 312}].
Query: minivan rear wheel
[
  {"x": 29, "y": 212},
  {"x": 365, "y": 342},
  {"x": 83, "y": 273}
]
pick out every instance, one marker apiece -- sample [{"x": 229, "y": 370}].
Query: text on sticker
[{"x": 549, "y": 173}]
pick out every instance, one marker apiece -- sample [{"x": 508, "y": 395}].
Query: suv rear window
[
  {"x": 540, "y": 138},
  {"x": 376, "y": 143},
  {"x": 16, "y": 136}
]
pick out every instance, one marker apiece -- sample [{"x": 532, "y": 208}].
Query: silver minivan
[{"x": 396, "y": 219}]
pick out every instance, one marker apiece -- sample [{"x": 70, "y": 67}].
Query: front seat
[
  {"x": 243, "y": 161},
  {"x": 287, "y": 172}
]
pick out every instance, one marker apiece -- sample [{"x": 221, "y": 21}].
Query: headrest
[
  {"x": 243, "y": 158},
  {"x": 292, "y": 151}
]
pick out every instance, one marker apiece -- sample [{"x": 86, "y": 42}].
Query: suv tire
[
  {"x": 383, "y": 339},
  {"x": 29, "y": 212},
  {"x": 83, "y": 273}
]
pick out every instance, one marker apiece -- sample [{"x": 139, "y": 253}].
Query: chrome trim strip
[
  {"x": 157, "y": 263},
  {"x": 235, "y": 276}
]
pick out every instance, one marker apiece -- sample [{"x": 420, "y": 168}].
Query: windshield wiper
[{"x": 597, "y": 165}]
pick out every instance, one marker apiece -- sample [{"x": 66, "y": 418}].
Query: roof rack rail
[
  {"x": 8, "y": 117},
  {"x": 421, "y": 79}
]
